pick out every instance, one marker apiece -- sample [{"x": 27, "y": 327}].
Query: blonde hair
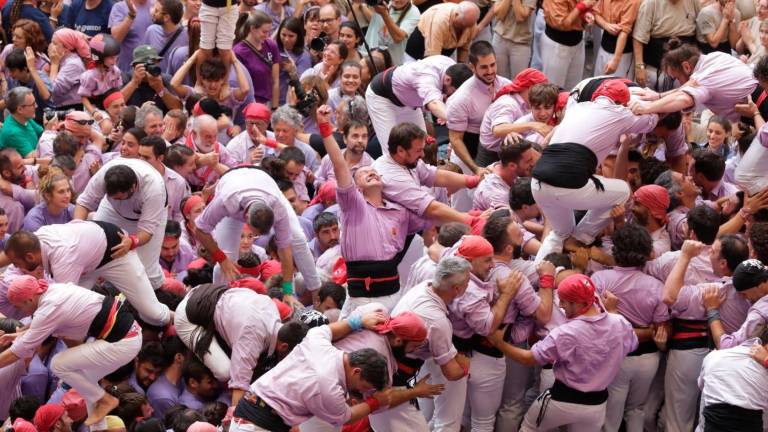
[{"x": 48, "y": 181}]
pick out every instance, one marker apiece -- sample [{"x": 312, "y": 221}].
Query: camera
[
  {"x": 304, "y": 101},
  {"x": 373, "y": 3},
  {"x": 153, "y": 69},
  {"x": 318, "y": 44},
  {"x": 50, "y": 113}
]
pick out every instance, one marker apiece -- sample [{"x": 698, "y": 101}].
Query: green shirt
[{"x": 22, "y": 138}]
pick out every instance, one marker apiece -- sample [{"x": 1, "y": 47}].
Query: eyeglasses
[
  {"x": 34, "y": 104},
  {"x": 327, "y": 20},
  {"x": 84, "y": 122}
]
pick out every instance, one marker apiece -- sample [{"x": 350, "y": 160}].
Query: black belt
[
  {"x": 112, "y": 232},
  {"x": 252, "y": 408},
  {"x": 112, "y": 322},
  {"x": 724, "y": 417},
  {"x": 689, "y": 334},
  {"x": 646, "y": 347},
  {"x": 608, "y": 43},
  {"x": 724, "y": 47},
  {"x": 563, "y": 393},
  {"x": 381, "y": 85},
  {"x": 375, "y": 278},
  {"x": 567, "y": 165},
  {"x": 567, "y": 38},
  {"x": 415, "y": 46}
]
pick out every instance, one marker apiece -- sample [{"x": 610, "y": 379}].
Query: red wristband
[
  {"x": 373, "y": 403},
  {"x": 134, "y": 241},
  {"x": 582, "y": 8},
  {"x": 466, "y": 370},
  {"x": 219, "y": 256},
  {"x": 271, "y": 143},
  {"x": 326, "y": 130},
  {"x": 471, "y": 181},
  {"x": 546, "y": 281}
]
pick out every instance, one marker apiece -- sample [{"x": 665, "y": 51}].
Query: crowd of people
[{"x": 388, "y": 216}]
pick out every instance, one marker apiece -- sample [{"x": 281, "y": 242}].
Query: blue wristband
[
  {"x": 288, "y": 287},
  {"x": 355, "y": 322}
]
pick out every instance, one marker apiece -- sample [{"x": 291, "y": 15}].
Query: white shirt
[{"x": 731, "y": 376}]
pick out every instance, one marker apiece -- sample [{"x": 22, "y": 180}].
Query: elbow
[
  {"x": 668, "y": 299},
  {"x": 543, "y": 316}
]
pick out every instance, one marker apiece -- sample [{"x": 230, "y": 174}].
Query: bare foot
[{"x": 101, "y": 408}]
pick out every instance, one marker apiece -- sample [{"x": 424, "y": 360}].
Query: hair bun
[{"x": 674, "y": 43}]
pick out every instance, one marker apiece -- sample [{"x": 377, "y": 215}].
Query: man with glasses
[
  {"x": 330, "y": 21},
  {"x": 20, "y": 131}
]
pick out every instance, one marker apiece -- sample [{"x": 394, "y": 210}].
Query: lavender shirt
[
  {"x": 587, "y": 351},
  {"x": 369, "y": 339},
  {"x": 639, "y": 294},
  {"x": 677, "y": 225},
  {"x": 492, "y": 192},
  {"x": 82, "y": 174},
  {"x": 285, "y": 12},
  {"x": 146, "y": 205},
  {"x": 163, "y": 395},
  {"x": 753, "y": 326},
  {"x": 142, "y": 21},
  {"x": 325, "y": 171},
  {"x": 723, "y": 81},
  {"x": 248, "y": 322},
  {"x": 236, "y": 191},
  {"x": 15, "y": 212},
  {"x": 178, "y": 189},
  {"x": 96, "y": 82},
  {"x": 421, "y": 270},
  {"x": 71, "y": 250},
  {"x": 690, "y": 305},
  {"x": 191, "y": 401},
  {"x": 424, "y": 302},
  {"x": 67, "y": 83},
  {"x": 39, "y": 216},
  {"x": 525, "y": 302},
  {"x": 403, "y": 185},
  {"x": 260, "y": 71},
  {"x": 699, "y": 269},
  {"x": 64, "y": 310},
  {"x": 471, "y": 313},
  {"x": 6, "y": 308},
  {"x": 241, "y": 146},
  {"x": 157, "y": 38},
  {"x": 179, "y": 265},
  {"x": 506, "y": 109},
  {"x": 418, "y": 83},
  {"x": 309, "y": 382},
  {"x": 467, "y": 106}
]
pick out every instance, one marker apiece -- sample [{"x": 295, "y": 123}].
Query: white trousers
[
  {"x": 555, "y": 414},
  {"x": 655, "y": 399},
  {"x": 149, "y": 253},
  {"x": 681, "y": 390},
  {"x": 352, "y": 303},
  {"x": 518, "y": 379},
  {"x": 128, "y": 276},
  {"x": 385, "y": 115},
  {"x": 461, "y": 200},
  {"x": 511, "y": 58},
  {"x": 562, "y": 64},
  {"x": 236, "y": 426},
  {"x": 485, "y": 386},
  {"x": 628, "y": 392},
  {"x": 750, "y": 173},
  {"x": 316, "y": 425},
  {"x": 227, "y": 236},
  {"x": 539, "y": 24},
  {"x": 84, "y": 365},
  {"x": 445, "y": 411},
  {"x": 626, "y": 68},
  {"x": 404, "y": 417},
  {"x": 557, "y": 205},
  {"x": 215, "y": 359}
]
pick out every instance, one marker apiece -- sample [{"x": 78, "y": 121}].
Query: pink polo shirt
[
  {"x": 418, "y": 83},
  {"x": 71, "y": 250},
  {"x": 404, "y": 186}
]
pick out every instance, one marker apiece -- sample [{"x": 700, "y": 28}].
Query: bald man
[{"x": 442, "y": 29}]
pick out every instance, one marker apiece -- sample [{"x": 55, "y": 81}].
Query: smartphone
[{"x": 284, "y": 57}]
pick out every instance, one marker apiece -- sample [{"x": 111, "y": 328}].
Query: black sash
[
  {"x": 253, "y": 409},
  {"x": 123, "y": 320},
  {"x": 567, "y": 165},
  {"x": 567, "y": 38},
  {"x": 689, "y": 334},
  {"x": 563, "y": 393},
  {"x": 608, "y": 43},
  {"x": 655, "y": 49},
  {"x": 361, "y": 275},
  {"x": 407, "y": 368},
  {"x": 112, "y": 232},
  {"x": 646, "y": 347},
  {"x": 381, "y": 85},
  {"x": 729, "y": 418},
  {"x": 415, "y": 46},
  {"x": 472, "y": 143}
]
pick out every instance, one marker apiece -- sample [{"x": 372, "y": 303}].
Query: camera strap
[
  {"x": 170, "y": 42},
  {"x": 259, "y": 54}
]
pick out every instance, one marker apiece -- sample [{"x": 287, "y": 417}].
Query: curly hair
[
  {"x": 632, "y": 246},
  {"x": 758, "y": 240},
  {"x": 33, "y": 35}
]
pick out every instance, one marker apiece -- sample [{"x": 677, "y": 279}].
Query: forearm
[
  {"x": 42, "y": 89},
  {"x": 207, "y": 240},
  {"x": 544, "y": 312},
  {"x": 499, "y": 310},
  {"x": 644, "y": 334},
  {"x": 460, "y": 149},
  {"x": 450, "y": 179},
  {"x": 621, "y": 165},
  {"x": 128, "y": 89},
  {"x": 441, "y": 213},
  {"x": 339, "y": 329},
  {"x": 81, "y": 212},
  {"x": 521, "y": 12},
  {"x": 87, "y": 105},
  {"x": 504, "y": 129},
  {"x": 143, "y": 237},
  {"x": 437, "y": 108},
  {"x": 675, "y": 280},
  {"x": 673, "y": 102},
  {"x": 714, "y": 39},
  {"x": 53, "y": 73},
  {"x": 242, "y": 82},
  {"x": 340, "y": 169},
  {"x": 286, "y": 262},
  {"x": 717, "y": 331},
  {"x": 519, "y": 355},
  {"x": 171, "y": 101},
  {"x": 237, "y": 394},
  {"x": 501, "y": 9},
  {"x": 121, "y": 30},
  {"x": 733, "y": 225},
  {"x": 621, "y": 43},
  {"x": 398, "y": 35},
  {"x": 399, "y": 397},
  {"x": 359, "y": 411},
  {"x": 7, "y": 358},
  {"x": 573, "y": 18},
  {"x": 637, "y": 50},
  {"x": 452, "y": 371}
]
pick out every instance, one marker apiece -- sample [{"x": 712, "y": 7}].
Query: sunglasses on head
[{"x": 84, "y": 122}]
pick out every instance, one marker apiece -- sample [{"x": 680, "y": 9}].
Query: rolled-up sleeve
[
  {"x": 701, "y": 95},
  {"x": 245, "y": 354},
  {"x": 94, "y": 192},
  {"x": 752, "y": 327},
  {"x": 154, "y": 206},
  {"x": 42, "y": 326},
  {"x": 545, "y": 351},
  {"x": 440, "y": 342},
  {"x": 644, "y": 22}
]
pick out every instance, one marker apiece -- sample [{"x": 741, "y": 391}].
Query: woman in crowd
[
  {"x": 350, "y": 34},
  {"x": 56, "y": 206},
  {"x": 718, "y": 137},
  {"x": 294, "y": 56},
  {"x": 69, "y": 52},
  {"x": 278, "y": 10},
  {"x": 27, "y": 33},
  {"x": 334, "y": 54},
  {"x": 260, "y": 56}
]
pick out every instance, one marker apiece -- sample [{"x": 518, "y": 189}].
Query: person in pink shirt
[
  {"x": 707, "y": 172},
  {"x": 252, "y": 145},
  {"x": 587, "y": 352},
  {"x": 749, "y": 279},
  {"x": 82, "y": 252},
  {"x": 649, "y": 210},
  {"x": 213, "y": 158},
  {"x": 424, "y": 268},
  {"x": 152, "y": 150},
  {"x": 683, "y": 194},
  {"x": 75, "y": 313},
  {"x": 639, "y": 301},
  {"x": 516, "y": 160},
  {"x": 313, "y": 381}
]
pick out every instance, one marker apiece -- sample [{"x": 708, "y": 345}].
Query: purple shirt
[
  {"x": 723, "y": 81},
  {"x": 248, "y": 322},
  {"x": 371, "y": 233},
  {"x": 753, "y": 325},
  {"x": 146, "y": 205},
  {"x": 179, "y": 265},
  {"x": 191, "y": 401},
  {"x": 82, "y": 174},
  {"x": 469, "y": 103},
  {"x": 471, "y": 313},
  {"x": 96, "y": 82},
  {"x": 64, "y": 310},
  {"x": 236, "y": 191},
  {"x": 421, "y": 270},
  {"x": 71, "y": 250},
  {"x": 699, "y": 269},
  {"x": 260, "y": 70},
  {"x": 639, "y": 294},
  {"x": 163, "y": 394},
  {"x": 285, "y": 12},
  {"x": 15, "y": 212},
  {"x": 241, "y": 146},
  {"x": 722, "y": 190},
  {"x": 138, "y": 26},
  {"x": 506, "y": 109},
  {"x": 424, "y": 302},
  {"x": 178, "y": 189},
  {"x": 525, "y": 302},
  {"x": 587, "y": 351},
  {"x": 690, "y": 305},
  {"x": 492, "y": 192},
  {"x": 39, "y": 216},
  {"x": 677, "y": 225},
  {"x": 325, "y": 172},
  {"x": 418, "y": 83},
  {"x": 599, "y": 124},
  {"x": 302, "y": 62},
  {"x": 404, "y": 186},
  {"x": 6, "y": 308},
  {"x": 157, "y": 38},
  {"x": 309, "y": 382},
  {"x": 67, "y": 83}
]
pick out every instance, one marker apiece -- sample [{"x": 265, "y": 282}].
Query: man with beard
[
  {"x": 398, "y": 94},
  {"x": 466, "y": 108},
  {"x": 252, "y": 144},
  {"x": 147, "y": 367},
  {"x": 213, "y": 159},
  {"x": 516, "y": 160},
  {"x": 175, "y": 255},
  {"x": 13, "y": 199},
  {"x": 650, "y": 211},
  {"x": 152, "y": 149},
  {"x": 326, "y": 227},
  {"x": 355, "y": 156},
  {"x": 200, "y": 386},
  {"x": 166, "y": 33}
]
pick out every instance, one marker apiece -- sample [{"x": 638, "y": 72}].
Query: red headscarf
[
  {"x": 523, "y": 81},
  {"x": 25, "y": 287},
  {"x": 577, "y": 288},
  {"x": 473, "y": 246},
  {"x": 257, "y": 111},
  {"x": 73, "y": 41},
  {"x": 197, "y": 264},
  {"x": 282, "y": 308},
  {"x": 74, "y": 404},
  {"x": 111, "y": 98},
  {"x": 21, "y": 425},
  {"x": 250, "y": 283},
  {"x": 327, "y": 192},
  {"x": 270, "y": 268},
  {"x": 655, "y": 198},
  {"x": 174, "y": 286},
  {"x": 47, "y": 416},
  {"x": 407, "y": 326},
  {"x": 71, "y": 123},
  {"x": 615, "y": 90}
]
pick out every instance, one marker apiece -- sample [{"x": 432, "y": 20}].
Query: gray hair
[
  {"x": 449, "y": 272},
  {"x": 16, "y": 97},
  {"x": 287, "y": 114},
  {"x": 666, "y": 181},
  {"x": 143, "y": 112},
  {"x": 355, "y": 108},
  {"x": 201, "y": 121}
]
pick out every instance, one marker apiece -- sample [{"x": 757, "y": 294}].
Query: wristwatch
[{"x": 640, "y": 65}]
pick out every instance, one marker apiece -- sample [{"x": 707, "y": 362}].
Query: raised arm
[
  {"x": 340, "y": 169},
  {"x": 676, "y": 278}
]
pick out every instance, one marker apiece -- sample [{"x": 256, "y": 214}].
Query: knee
[{"x": 58, "y": 366}]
